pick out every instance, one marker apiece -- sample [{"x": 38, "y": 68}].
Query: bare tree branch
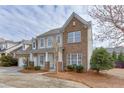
[{"x": 110, "y": 22}]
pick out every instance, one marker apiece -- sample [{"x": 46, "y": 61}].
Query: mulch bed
[
  {"x": 32, "y": 71},
  {"x": 91, "y": 79}
]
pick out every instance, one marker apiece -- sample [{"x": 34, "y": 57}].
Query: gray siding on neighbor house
[{"x": 116, "y": 49}]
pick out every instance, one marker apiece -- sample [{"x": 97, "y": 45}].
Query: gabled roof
[
  {"x": 27, "y": 51},
  {"x": 78, "y": 17},
  {"x": 61, "y": 29},
  {"x": 51, "y": 32}
]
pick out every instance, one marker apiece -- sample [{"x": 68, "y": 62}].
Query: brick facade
[{"x": 80, "y": 47}]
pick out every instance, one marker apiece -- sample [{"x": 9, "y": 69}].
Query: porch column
[
  {"x": 46, "y": 57},
  {"x": 59, "y": 56},
  {"x": 60, "y": 61},
  {"x": 31, "y": 57},
  {"x": 47, "y": 63}
]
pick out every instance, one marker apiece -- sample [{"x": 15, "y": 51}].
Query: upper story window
[
  {"x": 42, "y": 43},
  {"x": 49, "y": 42},
  {"x": 58, "y": 39},
  {"x": 34, "y": 45},
  {"x": 77, "y": 36},
  {"x": 74, "y": 37}
]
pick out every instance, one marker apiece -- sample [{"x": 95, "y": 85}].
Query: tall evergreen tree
[
  {"x": 114, "y": 55},
  {"x": 121, "y": 57},
  {"x": 101, "y": 60}
]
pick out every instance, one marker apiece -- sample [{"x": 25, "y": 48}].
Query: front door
[
  {"x": 42, "y": 60},
  {"x": 51, "y": 60}
]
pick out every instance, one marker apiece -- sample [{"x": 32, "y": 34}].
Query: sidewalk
[{"x": 5, "y": 86}]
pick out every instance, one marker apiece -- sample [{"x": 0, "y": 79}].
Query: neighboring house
[
  {"x": 69, "y": 44},
  {"x": 116, "y": 49},
  {"x": 7, "y": 46},
  {"x": 23, "y": 54}
]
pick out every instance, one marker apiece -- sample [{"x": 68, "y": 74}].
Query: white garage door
[{"x": 21, "y": 63}]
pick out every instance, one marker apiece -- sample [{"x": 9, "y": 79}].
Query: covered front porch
[{"x": 48, "y": 60}]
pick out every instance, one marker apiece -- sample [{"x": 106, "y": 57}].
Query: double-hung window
[
  {"x": 74, "y": 58},
  {"x": 77, "y": 36},
  {"x": 49, "y": 42},
  {"x": 70, "y": 37},
  {"x": 74, "y": 37},
  {"x": 42, "y": 43}
]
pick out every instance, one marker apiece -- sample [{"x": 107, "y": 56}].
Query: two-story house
[{"x": 69, "y": 44}]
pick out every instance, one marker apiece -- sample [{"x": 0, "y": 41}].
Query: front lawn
[{"x": 92, "y": 79}]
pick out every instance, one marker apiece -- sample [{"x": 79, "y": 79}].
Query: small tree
[
  {"x": 7, "y": 60},
  {"x": 101, "y": 60},
  {"x": 114, "y": 56},
  {"x": 121, "y": 57}
]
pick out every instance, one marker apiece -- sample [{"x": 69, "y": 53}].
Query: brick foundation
[
  {"x": 47, "y": 66},
  {"x": 60, "y": 67}
]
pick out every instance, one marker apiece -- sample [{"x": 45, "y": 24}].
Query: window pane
[
  {"x": 74, "y": 58},
  {"x": 49, "y": 41},
  {"x": 77, "y": 36},
  {"x": 70, "y": 37},
  {"x": 42, "y": 42}
]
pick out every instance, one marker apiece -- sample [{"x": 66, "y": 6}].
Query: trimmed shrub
[
  {"x": 101, "y": 60},
  {"x": 37, "y": 67},
  {"x": 76, "y": 68},
  {"x": 70, "y": 67},
  {"x": 79, "y": 68}
]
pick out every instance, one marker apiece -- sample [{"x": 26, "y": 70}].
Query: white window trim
[
  {"x": 77, "y": 58},
  {"x": 57, "y": 39},
  {"x": 70, "y": 58},
  {"x": 43, "y": 42},
  {"x": 74, "y": 37},
  {"x": 47, "y": 42}
]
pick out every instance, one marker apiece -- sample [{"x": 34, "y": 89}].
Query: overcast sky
[{"x": 25, "y": 22}]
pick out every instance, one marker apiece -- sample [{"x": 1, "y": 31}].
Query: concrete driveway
[
  {"x": 10, "y": 78},
  {"x": 118, "y": 72}
]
